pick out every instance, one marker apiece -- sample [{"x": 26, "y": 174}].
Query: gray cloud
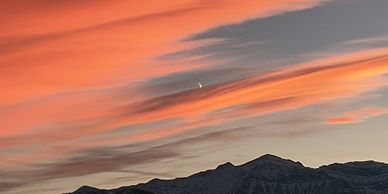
[
  {"x": 180, "y": 82},
  {"x": 286, "y": 39},
  {"x": 109, "y": 159},
  {"x": 91, "y": 162}
]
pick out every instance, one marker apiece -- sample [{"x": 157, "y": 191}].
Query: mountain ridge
[{"x": 268, "y": 174}]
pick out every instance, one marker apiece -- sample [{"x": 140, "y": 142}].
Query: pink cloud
[{"x": 357, "y": 116}]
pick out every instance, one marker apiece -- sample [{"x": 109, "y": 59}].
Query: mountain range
[{"x": 268, "y": 174}]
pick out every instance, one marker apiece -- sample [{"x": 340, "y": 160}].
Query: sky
[{"x": 106, "y": 93}]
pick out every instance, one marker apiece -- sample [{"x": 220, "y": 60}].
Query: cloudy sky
[{"x": 105, "y": 93}]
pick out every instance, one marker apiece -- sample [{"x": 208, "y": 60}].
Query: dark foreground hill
[{"x": 268, "y": 175}]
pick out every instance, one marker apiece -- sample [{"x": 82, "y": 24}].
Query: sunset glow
[{"x": 123, "y": 80}]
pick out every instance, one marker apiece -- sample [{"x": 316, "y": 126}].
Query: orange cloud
[
  {"x": 60, "y": 62},
  {"x": 290, "y": 88},
  {"x": 68, "y": 46},
  {"x": 357, "y": 116},
  {"x": 330, "y": 79}
]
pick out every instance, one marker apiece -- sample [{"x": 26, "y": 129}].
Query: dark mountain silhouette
[{"x": 268, "y": 175}]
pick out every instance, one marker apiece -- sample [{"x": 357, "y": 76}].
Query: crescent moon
[{"x": 199, "y": 84}]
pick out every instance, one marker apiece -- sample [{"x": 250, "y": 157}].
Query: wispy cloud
[
  {"x": 100, "y": 50},
  {"x": 74, "y": 71},
  {"x": 91, "y": 162},
  {"x": 290, "y": 88},
  {"x": 371, "y": 40},
  {"x": 357, "y": 116}
]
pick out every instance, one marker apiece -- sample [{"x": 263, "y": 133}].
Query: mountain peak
[
  {"x": 86, "y": 189},
  {"x": 225, "y": 165},
  {"x": 273, "y": 160},
  {"x": 365, "y": 168},
  {"x": 270, "y": 157}
]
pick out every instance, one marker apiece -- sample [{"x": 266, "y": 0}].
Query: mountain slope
[{"x": 269, "y": 175}]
